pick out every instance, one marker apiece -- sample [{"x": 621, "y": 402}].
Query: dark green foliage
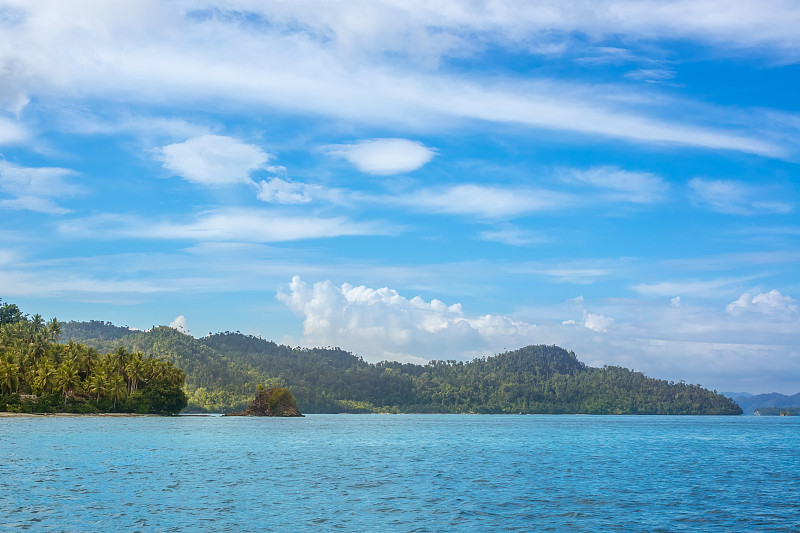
[
  {"x": 10, "y": 314},
  {"x": 159, "y": 397},
  {"x": 37, "y": 374},
  {"x": 222, "y": 370},
  {"x": 95, "y": 330}
]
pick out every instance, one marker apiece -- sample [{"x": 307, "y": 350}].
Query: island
[{"x": 274, "y": 401}]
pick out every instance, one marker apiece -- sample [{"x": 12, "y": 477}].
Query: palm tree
[
  {"x": 116, "y": 388},
  {"x": 97, "y": 385},
  {"x": 9, "y": 378},
  {"x": 119, "y": 359},
  {"x": 37, "y": 322},
  {"x": 54, "y": 329},
  {"x": 45, "y": 376},
  {"x": 67, "y": 379},
  {"x": 135, "y": 371}
]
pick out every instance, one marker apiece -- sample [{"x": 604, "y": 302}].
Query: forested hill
[{"x": 223, "y": 370}]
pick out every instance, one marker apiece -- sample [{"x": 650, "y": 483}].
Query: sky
[{"x": 414, "y": 180}]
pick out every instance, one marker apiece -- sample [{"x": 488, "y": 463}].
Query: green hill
[{"x": 223, "y": 370}]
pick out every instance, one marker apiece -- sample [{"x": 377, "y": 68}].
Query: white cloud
[
  {"x": 180, "y": 324},
  {"x": 213, "y": 160},
  {"x": 709, "y": 288},
  {"x": 380, "y": 323},
  {"x": 635, "y": 187},
  {"x": 736, "y": 198},
  {"x": 35, "y": 188},
  {"x": 597, "y": 322},
  {"x": 49, "y": 283},
  {"x": 767, "y": 303},
  {"x": 282, "y": 191},
  {"x": 384, "y": 157},
  {"x": 580, "y": 272},
  {"x": 242, "y": 225},
  {"x": 513, "y": 236},
  {"x": 385, "y": 69},
  {"x": 484, "y": 201},
  {"x": 11, "y": 132},
  {"x": 34, "y": 203}
]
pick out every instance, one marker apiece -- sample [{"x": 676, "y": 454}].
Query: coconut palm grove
[{"x": 37, "y": 374}]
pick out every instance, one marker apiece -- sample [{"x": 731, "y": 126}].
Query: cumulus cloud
[
  {"x": 384, "y": 157},
  {"x": 34, "y": 189},
  {"x": 736, "y": 198},
  {"x": 597, "y": 322},
  {"x": 767, "y": 303},
  {"x": 381, "y": 324},
  {"x": 213, "y": 160},
  {"x": 180, "y": 324}
]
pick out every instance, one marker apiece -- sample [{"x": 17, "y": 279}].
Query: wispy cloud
[
  {"x": 485, "y": 201},
  {"x": 703, "y": 288},
  {"x": 334, "y": 68},
  {"x": 11, "y": 132},
  {"x": 737, "y": 198},
  {"x": 238, "y": 225},
  {"x": 35, "y": 189},
  {"x": 514, "y": 236},
  {"x": 622, "y": 185}
]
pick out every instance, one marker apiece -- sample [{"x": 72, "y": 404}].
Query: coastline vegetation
[{"x": 40, "y": 375}]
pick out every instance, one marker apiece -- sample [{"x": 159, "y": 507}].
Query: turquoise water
[{"x": 400, "y": 473}]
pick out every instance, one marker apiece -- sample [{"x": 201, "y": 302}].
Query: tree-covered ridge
[
  {"x": 37, "y": 374},
  {"x": 223, "y": 370}
]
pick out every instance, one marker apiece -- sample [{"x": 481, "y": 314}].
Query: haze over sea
[{"x": 400, "y": 473}]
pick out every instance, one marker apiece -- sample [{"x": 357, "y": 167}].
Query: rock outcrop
[{"x": 274, "y": 401}]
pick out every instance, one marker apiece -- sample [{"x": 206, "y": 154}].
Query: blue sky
[{"x": 414, "y": 180}]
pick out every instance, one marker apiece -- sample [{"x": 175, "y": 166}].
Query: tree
[
  {"x": 45, "y": 376},
  {"x": 67, "y": 379},
  {"x": 10, "y": 314},
  {"x": 9, "y": 378},
  {"x": 96, "y": 384},
  {"x": 135, "y": 372},
  {"x": 116, "y": 388}
]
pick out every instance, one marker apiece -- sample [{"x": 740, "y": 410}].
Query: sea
[{"x": 409, "y": 473}]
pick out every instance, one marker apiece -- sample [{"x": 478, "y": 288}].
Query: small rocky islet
[{"x": 275, "y": 401}]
